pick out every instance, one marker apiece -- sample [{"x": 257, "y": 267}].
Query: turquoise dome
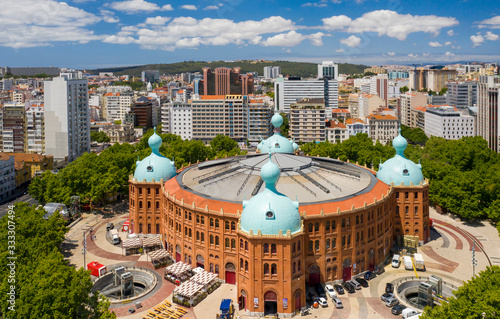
[
  {"x": 270, "y": 211},
  {"x": 156, "y": 166},
  {"x": 399, "y": 169},
  {"x": 276, "y": 143},
  {"x": 277, "y": 120}
]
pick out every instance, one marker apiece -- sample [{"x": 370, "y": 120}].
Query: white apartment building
[
  {"x": 259, "y": 118},
  {"x": 337, "y": 132},
  {"x": 7, "y": 177},
  {"x": 307, "y": 120},
  {"x": 369, "y": 103},
  {"x": 488, "y": 113},
  {"x": 67, "y": 118},
  {"x": 35, "y": 129},
  {"x": 271, "y": 72},
  {"x": 6, "y": 85},
  {"x": 408, "y": 101},
  {"x": 394, "y": 86},
  {"x": 287, "y": 92},
  {"x": 383, "y": 128},
  {"x": 117, "y": 105},
  {"x": 355, "y": 126},
  {"x": 379, "y": 86},
  {"x": 444, "y": 121},
  {"x": 176, "y": 118}
]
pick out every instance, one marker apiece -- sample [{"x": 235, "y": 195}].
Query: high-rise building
[
  {"x": 35, "y": 129},
  {"x": 368, "y": 104},
  {"x": 307, "y": 120},
  {"x": 176, "y": 118},
  {"x": 116, "y": 105},
  {"x": 328, "y": 70},
  {"x": 150, "y": 76},
  {"x": 408, "y": 101},
  {"x": 14, "y": 127},
  {"x": 393, "y": 75},
  {"x": 461, "y": 94},
  {"x": 143, "y": 112},
  {"x": 383, "y": 128},
  {"x": 488, "y": 114},
  {"x": 271, "y": 72},
  {"x": 379, "y": 86},
  {"x": 431, "y": 79},
  {"x": 225, "y": 81},
  {"x": 287, "y": 92},
  {"x": 445, "y": 121},
  {"x": 67, "y": 118}
]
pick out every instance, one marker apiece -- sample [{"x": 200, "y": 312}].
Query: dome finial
[
  {"x": 270, "y": 173},
  {"x": 154, "y": 142},
  {"x": 399, "y": 143}
]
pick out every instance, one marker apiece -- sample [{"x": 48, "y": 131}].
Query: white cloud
[
  {"x": 491, "y": 36},
  {"x": 158, "y": 20},
  {"x": 118, "y": 39},
  {"x": 211, "y": 8},
  {"x": 352, "y": 41},
  {"x": 317, "y": 38},
  {"x": 426, "y": 54},
  {"x": 447, "y": 43},
  {"x": 492, "y": 23},
  {"x": 450, "y": 33},
  {"x": 391, "y": 53},
  {"x": 320, "y": 4},
  {"x": 449, "y": 54},
  {"x": 435, "y": 44},
  {"x": 135, "y": 6},
  {"x": 289, "y": 39},
  {"x": 109, "y": 16},
  {"x": 413, "y": 56},
  {"x": 44, "y": 22},
  {"x": 339, "y": 50},
  {"x": 390, "y": 23},
  {"x": 189, "y": 7},
  {"x": 477, "y": 40}
]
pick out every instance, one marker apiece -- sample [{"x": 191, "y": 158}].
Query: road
[{"x": 24, "y": 198}]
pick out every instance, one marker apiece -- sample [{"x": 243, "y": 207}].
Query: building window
[
  {"x": 310, "y": 227},
  {"x": 293, "y": 248},
  {"x": 149, "y": 204},
  {"x": 343, "y": 222},
  {"x": 348, "y": 221},
  {"x": 316, "y": 227},
  {"x": 293, "y": 268},
  {"x": 211, "y": 239},
  {"x": 226, "y": 242},
  {"x": 328, "y": 243},
  {"x": 149, "y": 228},
  {"x": 266, "y": 248},
  {"x": 311, "y": 245},
  {"x": 226, "y": 225},
  {"x": 266, "y": 269},
  {"x": 216, "y": 223},
  {"x": 149, "y": 191},
  {"x": 298, "y": 245},
  {"x": 233, "y": 243},
  {"x": 211, "y": 222},
  {"x": 140, "y": 228},
  {"x": 407, "y": 195},
  {"x": 157, "y": 191},
  {"x": 273, "y": 248},
  {"x": 157, "y": 205},
  {"x": 407, "y": 210},
  {"x": 246, "y": 265},
  {"x": 140, "y": 204},
  {"x": 246, "y": 245},
  {"x": 274, "y": 269},
  {"x": 343, "y": 241},
  {"x": 357, "y": 219},
  {"x": 241, "y": 244},
  {"x": 334, "y": 242},
  {"x": 327, "y": 226},
  {"x": 416, "y": 210},
  {"x": 233, "y": 226},
  {"x": 415, "y": 195},
  {"x": 202, "y": 237},
  {"x": 298, "y": 266},
  {"x": 316, "y": 245},
  {"x": 157, "y": 228}
]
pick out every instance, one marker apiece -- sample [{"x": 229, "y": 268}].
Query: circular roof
[{"x": 308, "y": 180}]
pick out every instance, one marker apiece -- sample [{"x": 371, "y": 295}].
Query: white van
[
  {"x": 395, "y": 261},
  {"x": 407, "y": 262},
  {"x": 113, "y": 233},
  {"x": 408, "y": 312}
]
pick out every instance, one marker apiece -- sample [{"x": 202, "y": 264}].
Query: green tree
[
  {"x": 45, "y": 285},
  {"x": 285, "y": 126},
  {"x": 99, "y": 137},
  {"x": 403, "y": 89},
  {"x": 477, "y": 298},
  {"x": 443, "y": 91},
  {"x": 222, "y": 143}
]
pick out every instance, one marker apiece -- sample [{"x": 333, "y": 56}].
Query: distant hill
[{"x": 303, "y": 69}]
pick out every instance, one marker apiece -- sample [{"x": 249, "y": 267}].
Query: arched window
[
  {"x": 216, "y": 240},
  {"x": 140, "y": 227},
  {"x": 407, "y": 210},
  {"x": 226, "y": 242},
  {"x": 202, "y": 237},
  {"x": 416, "y": 210},
  {"x": 246, "y": 245},
  {"x": 361, "y": 219},
  {"x": 140, "y": 191},
  {"x": 241, "y": 244},
  {"x": 310, "y": 227},
  {"x": 149, "y": 228},
  {"x": 415, "y": 195},
  {"x": 241, "y": 263},
  {"x": 334, "y": 224},
  {"x": 211, "y": 239},
  {"x": 397, "y": 194},
  {"x": 233, "y": 243},
  {"x": 211, "y": 222},
  {"x": 266, "y": 248},
  {"x": 149, "y": 190},
  {"x": 334, "y": 242},
  {"x": 294, "y": 268},
  {"x": 273, "y": 248},
  {"x": 316, "y": 227},
  {"x": 157, "y": 228},
  {"x": 197, "y": 218},
  {"x": 216, "y": 223},
  {"x": 140, "y": 204},
  {"x": 348, "y": 221},
  {"x": 233, "y": 226},
  {"x": 226, "y": 225},
  {"x": 246, "y": 265},
  {"x": 274, "y": 269},
  {"x": 266, "y": 269},
  {"x": 397, "y": 210},
  {"x": 316, "y": 245},
  {"x": 343, "y": 241},
  {"x": 298, "y": 245},
  {"x": 327, "y": 226},
  {"x": 149, "y": 204},
  {"x": 343, "y": 222},
  {"x": 406, "y": 195},
  {"x": 217, "y": 269},
  {"x": 157, "y": 191},
  {"x": 197, "y": 235},
  {"x": 190, "y": 233},
  {"x": 211, "y": 267},
  {"x": 293, "y": 247},
  {"x": 298, "y": 266},
  {"x": 203, "y": 220},
  {"x": 311, "y": 245},
  {"x": 157, "y": 205},
  {"x": 327, "y": 243}
]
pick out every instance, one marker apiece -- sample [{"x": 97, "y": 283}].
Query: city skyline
[{"x": 92, "y": 34}]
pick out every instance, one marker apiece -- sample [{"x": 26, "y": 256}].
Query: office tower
[
  {"x": 67, "y": 118},
  {"x": 117, "y": 105},
  {"x": 328, "y": 70},
  {"x": 444, "y": 121},
  {"x": 143, "y": 112},
  {"x": 488, "y": 104},
  {"x": 292, "y": 90},
  {"x": 271, "y": 72},
  {"x": 35, "y": 129},
  {"x": 408, "y": 101},
  {"x": 307, "y": 120},
  {"x": 461, "y": 94},
  {"x": 176, "y": 118},
  {"x": 225, "y": 81},
  {"x": 431, "y": 79},
  {"x": 150, "y": 76},
  {"x": 379, "y": 86}
]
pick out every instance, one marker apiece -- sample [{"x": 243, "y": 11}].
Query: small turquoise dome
[
  {"x": 399, "y": 169},
  {"x": 156, "y": 166},
  {"x": 270, "y": 211},
  {"x": 295, "y": 145},
  {"x": 277, "y": 144},
  {"x": 277, "y": 120}
]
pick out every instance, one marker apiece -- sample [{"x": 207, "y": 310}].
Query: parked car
[
  {"x": 339, "y": 289},
  {"x": 337, "y": 302},
  {"x": 395, "y": 261},
  {"x": 385, "y": 296},
  {"x": 356, "y": 284},
  {"x": 369, "y": 275},
  {"x": 349, "y": 287},
  {"x": 391, "y": 301},
  {"x": 322, "y": 302},
  {"x": 320, "y": 290},
  {"x": 397, "y": 309},
  {"x": 409, "y": 313},
  {"x": 362, "y": 282},
  {"x": 330, "y": 291},
  {"x": 389, "y": 287},
  {"x": 379, "y": 271},
  {"x": 109, "y": 226}
]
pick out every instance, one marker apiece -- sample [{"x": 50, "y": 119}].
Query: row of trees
[
  {"x": 99, "y": 137},
  {"x": 42, "y": 282},
  {"x": 96, "y": 177}
]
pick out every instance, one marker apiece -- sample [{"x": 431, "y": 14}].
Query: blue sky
[{"x": 93, "y": 33}]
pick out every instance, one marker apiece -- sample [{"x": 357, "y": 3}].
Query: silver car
[
  {"x": 391, "y": 301},
  {"x": 337, "y": 302},
  {"x": 356, "y": 284}
]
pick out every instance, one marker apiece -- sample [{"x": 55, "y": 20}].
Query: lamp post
[
  {"x": 84, "y": 250},
  {"x": 474, "y": 260}
]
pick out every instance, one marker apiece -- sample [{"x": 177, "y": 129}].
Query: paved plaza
[{"x": 447, "y": 255}]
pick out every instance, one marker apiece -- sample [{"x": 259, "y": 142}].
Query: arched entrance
[
  {"x": 346, "y": 272},
  {"x": 242, "y": 300},
  {"x": 230, "y": 273},
  {"x": 178, "y": 256},
  {"x": 270, "y": 303},
  {"x": 314, "y": 275},
  {"x": 200, "y": 261},
  {"x": 371, "y": 259},
  {"x": 297, "y": 300}
]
